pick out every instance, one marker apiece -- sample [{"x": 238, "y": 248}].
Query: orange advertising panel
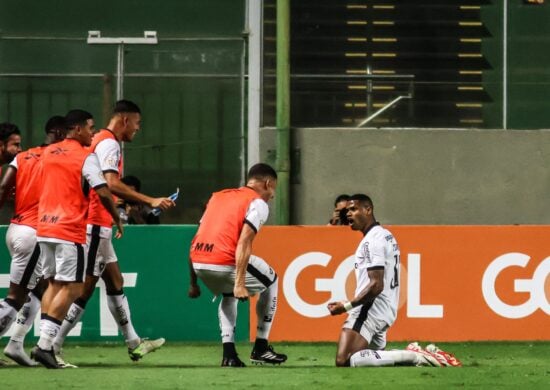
[{"x": 457, "y": 283}]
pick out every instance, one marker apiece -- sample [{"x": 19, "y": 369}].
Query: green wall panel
[
  {"x": 529, "y": 65},
  {"x": 157, "y": 256},
  {"x": 190, "y": 91},
  {"x": 168, "y": 17}
]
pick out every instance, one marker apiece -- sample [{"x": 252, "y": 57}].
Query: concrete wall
[{"x": 421, "y": 176}]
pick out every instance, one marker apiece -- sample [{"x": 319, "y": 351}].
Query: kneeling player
[{"x": 374, "y": 308}]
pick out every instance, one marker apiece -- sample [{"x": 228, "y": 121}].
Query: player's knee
[
  {"x": 16, "y": 300},
  {"x": 86, "y": 293},
  {"x": 88, "y": 288},
  {"x": 113, "y": 282},
  {"x": 342, "y": 361},
  {"x": 118, "y": 282},
  {"x": 72, "y": 291},
  {"x": 275, "y": 282},
  {"x": 41, "y": 286},
  {"x": 114, "y": 285}
]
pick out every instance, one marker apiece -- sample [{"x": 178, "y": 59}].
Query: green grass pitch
[{"x": 517, "y": 365}]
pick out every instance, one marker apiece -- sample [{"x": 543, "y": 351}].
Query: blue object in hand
[{"x": 156, "y": 211}]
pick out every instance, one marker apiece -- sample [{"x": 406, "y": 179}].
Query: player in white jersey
[
  {"x": 374, "y": 308},
  {"x": 125, "y": 122}
]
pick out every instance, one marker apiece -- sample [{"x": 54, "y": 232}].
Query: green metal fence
[{"x": 190, "y": 85}]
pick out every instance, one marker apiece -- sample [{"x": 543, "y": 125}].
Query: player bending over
[{"x": 221, "y": 257}]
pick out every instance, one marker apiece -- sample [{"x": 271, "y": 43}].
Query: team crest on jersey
[{"x": 111, "y": 161}]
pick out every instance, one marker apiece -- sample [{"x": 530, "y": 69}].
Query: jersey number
[{"x": 395, "y": 280}]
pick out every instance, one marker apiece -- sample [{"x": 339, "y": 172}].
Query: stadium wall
[
  {"x": 154, "y": 263},
  {"x": 456, "y": 283},
  {"x": 417, "y": 176}
]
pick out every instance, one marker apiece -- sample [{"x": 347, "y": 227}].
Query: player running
[
  {"x": 25, "y": 270},
  {"x": 102, "y": 259},
  {"x": 68, "y": 172},
  {"x": 374, "y": 308}
]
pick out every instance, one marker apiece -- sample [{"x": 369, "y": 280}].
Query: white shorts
[
  {"x": 220, "y": 279},
  {"x": 100, "y": 251},
  {"x": 25, "y": 268},
  {"x": 371, "y": 329},
  {"x": 65, "y": 262}
]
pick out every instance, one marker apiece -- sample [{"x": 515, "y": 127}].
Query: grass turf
[{"x": 196, "y": 365}]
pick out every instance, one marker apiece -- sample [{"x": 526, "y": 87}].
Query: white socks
[
  {"x": 49, "y": 327},
  {"x": 118, "y": 305},
  {"x": 7, "y": 316},
  {"x": 74, "y": 314},
  {"x": 25, "y": 319},
  {"x": 265, "y": 311},
  {"x": 371, "y": 358},
  {"x": 227, "y": 314}
]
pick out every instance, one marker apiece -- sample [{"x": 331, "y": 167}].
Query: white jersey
[
  {"x": 379, "y": 250},
  {"x": 108, "y": 155},
  {"x": 257, "y": 214}
]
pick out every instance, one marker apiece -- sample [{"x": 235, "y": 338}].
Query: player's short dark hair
[
  {"x": 132, "y": 181},
  {"x": 341, "y": 198},
  {"x": 365, "y": 200},
  {"x": 261, "y": 171},
  {"x": 7, "y": 130},
  {"x": 77, "y": 117},
  {"x": 56, "y": 122},
  {"x": 126, "y": 106}
]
